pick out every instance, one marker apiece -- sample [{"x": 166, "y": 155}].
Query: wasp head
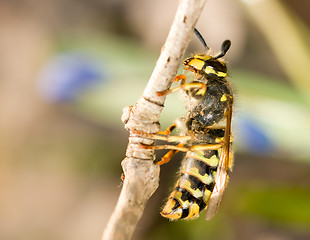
[{"x": 209, "y": 65}]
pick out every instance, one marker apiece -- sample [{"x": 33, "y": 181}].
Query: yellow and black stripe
[
  {"x": 204, "y": 168},
  {"x": 195, "y": 184},
  {"x": 197, "y": 176},
  {"x": 202, "y": 63}
]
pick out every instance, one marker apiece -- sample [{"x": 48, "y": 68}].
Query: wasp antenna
[
  {"x": 225, "y": 47},
  {"x": 201, "y": 38}
]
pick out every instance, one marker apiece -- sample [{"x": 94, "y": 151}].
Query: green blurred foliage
[{"x": 281, "y": 205}]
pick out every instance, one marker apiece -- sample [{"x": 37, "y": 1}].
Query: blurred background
[{"x": 67, "y": 69}]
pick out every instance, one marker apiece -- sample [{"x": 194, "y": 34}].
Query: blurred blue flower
[
  {"x": 68, "y": 75},
  {"x": 253, "y": 138}
]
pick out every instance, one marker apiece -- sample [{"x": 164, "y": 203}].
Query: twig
[{"x": 141, "y": 174}]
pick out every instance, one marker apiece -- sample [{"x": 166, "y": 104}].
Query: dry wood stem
[{"x": 141, "y": 174}]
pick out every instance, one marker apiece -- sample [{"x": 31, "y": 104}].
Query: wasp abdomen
[{"x": 194, "y": 187}]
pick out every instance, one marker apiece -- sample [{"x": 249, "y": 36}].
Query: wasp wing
[{"x": 221, "y": 178}]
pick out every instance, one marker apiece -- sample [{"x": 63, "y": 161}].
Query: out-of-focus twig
[
  {"x": 286, "y": 39},
  {"x": 141, "y": 174}
]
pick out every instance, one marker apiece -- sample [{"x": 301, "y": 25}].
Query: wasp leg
[
  {"x": 168, "y": 130},
  {"x": 166, "y": 137},
  {"x": 180, "y": 77},
  {"x": 165, "y": 132},
  {"x": 169, "y": 138},
  {"x": 169, "y": 147},
  {"x": 158, "y": 136},
  {"x": 202, "y": 88},
  {"x": 169, "y": 155},
  {"x": 176, "y": 79},
  {"x": 172, "y": 138},
  {"x": 182, "y": 148},
  {"x": 214, "y": 146}
]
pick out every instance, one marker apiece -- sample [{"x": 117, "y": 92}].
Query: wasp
[{"x": 205, "y": 137}]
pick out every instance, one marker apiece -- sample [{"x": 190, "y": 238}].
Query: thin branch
[{"x": 141, "y": 174}]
